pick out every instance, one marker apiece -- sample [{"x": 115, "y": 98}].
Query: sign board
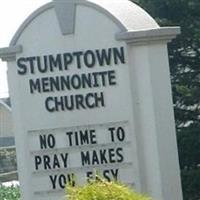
[
  {"x": 75, "y": 99},
  {"x": 60, "y": 155}
]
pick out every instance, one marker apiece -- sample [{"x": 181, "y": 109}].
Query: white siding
[{"x": 6, "y": 123}]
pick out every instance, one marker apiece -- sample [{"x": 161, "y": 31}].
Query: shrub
[
  {"x": 9, "y": 193},
  {"x": 103, "y": 190}
]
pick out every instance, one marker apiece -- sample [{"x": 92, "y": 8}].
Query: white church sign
[{"x": 90, "y": 90}]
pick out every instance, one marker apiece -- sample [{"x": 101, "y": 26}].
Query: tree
[{"x": 184, "y": 57}]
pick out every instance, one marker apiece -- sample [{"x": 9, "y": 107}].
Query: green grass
[{"x": 9, "y": 193}]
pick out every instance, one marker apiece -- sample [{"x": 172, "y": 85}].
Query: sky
[{"x": 12, "y": 15}]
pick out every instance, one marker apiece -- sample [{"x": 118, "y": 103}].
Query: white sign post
[{"x": 90, "y": 90}]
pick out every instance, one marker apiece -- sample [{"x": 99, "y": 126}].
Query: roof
[
  {"x": 5, "y": 103},
  {"x": 131, "y": 16},
  {"x": 135, "y": 25},
  {"x": 128, "y": 16}
]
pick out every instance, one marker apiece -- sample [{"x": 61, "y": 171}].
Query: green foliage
[
  {"x": 184, "y": 55},
  {"x": 102, "y": 190},
  {"x": 191, "y": 183},
  {"x": 189, "y": 151},
  {"x": 9, "y": 193}
]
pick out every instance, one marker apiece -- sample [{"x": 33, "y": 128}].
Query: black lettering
[
  {"x": 38, "y": 161},
  {"x": 111, "y": 129},
  {"x": 115, "y": 173},
  {"x": 104, "y": 56},
  {"x": 78, "y": 58},
  {"x": 103, "y": 80},
  {"x": 41, "y": 69},
  {"x": 62, "y": 61},
  {"x": 76, "y": 138},
  {"x": 79, "y": 101},
  {"x": 71, "y": 179},
  {"x": 31, "y": 62},
  {"x": 112, "y": 77},
  {"x": 65, "y": 83},
  {"x": 86, "y": 80},
  {"x": 69, "y": 102},
  {"x": 106, "y": 175},
  {"x": 49, "y": 104},
  {"x": 119, "y": 153},
  {"x": 62, "y": 181},
  {"x": 69, "y": 134},
  {"x": 64, "y": 159},
  {"x": 55, "y": 62},
  {"x": 53, "y": 179},
  {"x": 93, "y": 138},
  {"x": 43, "y": 141},
  {"x": 54, "y": 83},
  {"x": 95, "y": 159},
  {"x": 89, "y": 59},
  {"x": 46, "y": 61},
  {"x": 88, "y": 102},
  {"x": 99, "y": 99},
  {"x": 68, "y": 58},
  {"x": 85, "y": 158},
  {"x": 119, "y": 55},
  {"x": 22, "y": 68},
  {"x": 76, "y": 81},
  {"x": 59, "y": 103},
  {"x": 95, "y": 75},
  {"x": 120, "y": 134},
  {"x": 103, "y": 159},
  {"x": 46, "y": 160},
  {"x": 47, "y": 141},
  {"x": 89, "y": 175},
  {"x": 35, "y": 85},
  {"x": 84, "y": 138},
  {"x": 45, "y": 84},
  {"x": 111, "y": 155},
  {"x": 56, "y": 163}
]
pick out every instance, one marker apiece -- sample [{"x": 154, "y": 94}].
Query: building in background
[
  {"x": 8, "y": 164},
  {"x": 6, "y": 124}
]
